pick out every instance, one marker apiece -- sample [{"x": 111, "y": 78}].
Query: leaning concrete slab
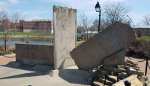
[
  {"x": 64, "y": 21},
  {"x": 107, "y": 47}
]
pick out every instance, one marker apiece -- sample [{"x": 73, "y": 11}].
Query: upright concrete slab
[
  {"x": 107, "y": 47},
  {"x": 65, "y": 30}
]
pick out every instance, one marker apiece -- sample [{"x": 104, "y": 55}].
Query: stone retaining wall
[{"x": 35, "y": 54}]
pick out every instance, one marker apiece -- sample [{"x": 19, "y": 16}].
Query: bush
[
  {"x": 144, "y": 43},
  {"x": 5, "y": 52},
  {"x": 8, "y": 51}
]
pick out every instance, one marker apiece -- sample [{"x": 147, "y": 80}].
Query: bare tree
[
  {"x": 3, "y": 20},
  {"x": 3, "y": 26},
  {"x": 15, "y": 19},
  {"x": 116, "y": 13},
  {"x": 80, "y": 29},
  {"x": 147, "y": 20},
  {"x": 3, "y": 15},
  {"x": 84, "y": 24},
  {"x": 103, "y": 25}
]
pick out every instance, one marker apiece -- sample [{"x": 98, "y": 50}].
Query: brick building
[
  {"x": 26, "y": 26},
  {"x": 5, "y": 25},
  {"x": 142, "y": 31}
]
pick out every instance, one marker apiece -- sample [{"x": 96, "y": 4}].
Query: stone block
[
  {"x": 32, "y": 54},
  {"x": 109, "y": 44},
  {"x": 112, "y": 78},
  {"x": 132, "y": 79},
  {"x": 97, "y": 83}
]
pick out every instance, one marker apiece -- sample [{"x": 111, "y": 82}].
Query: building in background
[
  {"x": 5, "y": 25},
  {"x": 26, "y": 26},
  {"x": 142, "y": 31}
]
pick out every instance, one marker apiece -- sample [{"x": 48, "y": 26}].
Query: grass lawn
[
  {"x": 27, "y": 35},
  {"x": 144, "y": 38}
]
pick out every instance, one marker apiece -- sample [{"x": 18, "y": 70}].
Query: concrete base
[
  {"x": 73, "y": 75},
  {"x": 33, "y": 62}
]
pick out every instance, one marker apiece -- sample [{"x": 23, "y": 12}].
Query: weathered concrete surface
[
  {"x": 65, "y": 35},
  {"x": 117, "y": 58},
  {"x": 107, "y": 47},
  {"x": 35, "y": 54},
  {"x": 18, "y": 77}
]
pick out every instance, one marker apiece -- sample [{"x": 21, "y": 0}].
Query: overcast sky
[{"x": 42, "y": 9}]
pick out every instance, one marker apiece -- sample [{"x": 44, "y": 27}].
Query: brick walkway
[{"x": 141, "y": 64}]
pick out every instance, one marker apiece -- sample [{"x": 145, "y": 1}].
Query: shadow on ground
[
  {"x": 76, "y": 76},
  {"x": 16, "y": 70},
  {"x": 23, "y": 75},
  {"x": 31, "y": 70}
]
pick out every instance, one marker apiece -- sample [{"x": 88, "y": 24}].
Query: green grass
[
  {"x": 27, "y": 35},
  {"x": 144, "y": 39},
  {"x": 5, "y": 52}
]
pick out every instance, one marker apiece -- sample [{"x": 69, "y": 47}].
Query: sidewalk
[{"x": 25, "y": 77}]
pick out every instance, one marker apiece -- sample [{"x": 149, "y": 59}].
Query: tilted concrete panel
[
  {"x": 65, "y": 35},
  {"x": 107, "y": 47}
]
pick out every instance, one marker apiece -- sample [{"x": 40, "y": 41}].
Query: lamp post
[
  {"x": 98, "y": 9},
  {"x": 147, "y": 56},
  {"x": 5, "y": 41}
]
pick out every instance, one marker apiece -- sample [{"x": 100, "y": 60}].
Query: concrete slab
[
  {"x": 18, "y": 77},
  {"x": 65, "y": 24}
]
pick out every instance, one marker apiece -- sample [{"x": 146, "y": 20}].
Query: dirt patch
[{"x": 7, "y": 58}]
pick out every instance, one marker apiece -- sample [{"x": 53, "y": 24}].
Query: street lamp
[{"x": 98, "y": 9}]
